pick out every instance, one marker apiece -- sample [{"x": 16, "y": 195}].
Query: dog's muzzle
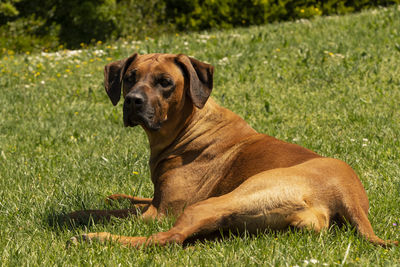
[{"x": 137, "y": 110}]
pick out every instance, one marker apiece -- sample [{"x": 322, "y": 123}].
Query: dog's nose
[{"x": 134, "y": 100}]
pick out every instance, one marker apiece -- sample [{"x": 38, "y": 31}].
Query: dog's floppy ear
[
  {"x": 113, "y": 74},
  {"x": 200, "y": 78}
]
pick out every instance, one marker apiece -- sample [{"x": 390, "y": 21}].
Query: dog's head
[{"x": 156, "y": 86}]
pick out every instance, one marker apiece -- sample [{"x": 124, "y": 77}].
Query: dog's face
[{"x": 156, "y": 86}]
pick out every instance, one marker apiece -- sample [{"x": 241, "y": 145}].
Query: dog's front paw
[{"x": 101, "y": 237}]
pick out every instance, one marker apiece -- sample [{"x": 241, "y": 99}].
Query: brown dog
[{"x": 210, "y": 168}]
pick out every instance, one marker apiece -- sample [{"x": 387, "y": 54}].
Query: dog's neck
[
  {"x": 192, "y": 125},
  {"x": 161, "y": 139}
]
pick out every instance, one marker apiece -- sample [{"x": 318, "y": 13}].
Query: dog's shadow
[
  {"x": 61, "y": 220},
  {"x": 58, "y": 219}
]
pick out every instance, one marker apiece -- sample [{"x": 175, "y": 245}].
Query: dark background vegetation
[{"x": 27, "y": 25}]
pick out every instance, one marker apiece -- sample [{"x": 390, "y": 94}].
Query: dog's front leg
[
  {"x": 146, "y": 211},
  {"x": 201, "y": 218},
  {"x": 83, "y": 216},
  {"x": 132, "y": 199},
  {"x": 160, "y": 239}
]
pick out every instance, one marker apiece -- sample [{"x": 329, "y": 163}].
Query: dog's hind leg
[{"x": 311, "y": 218}]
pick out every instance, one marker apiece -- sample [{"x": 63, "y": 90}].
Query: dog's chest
[{"x": 182, "y": 181}]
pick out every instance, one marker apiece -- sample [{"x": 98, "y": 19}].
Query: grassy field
[{"x": 331, "y": 84}]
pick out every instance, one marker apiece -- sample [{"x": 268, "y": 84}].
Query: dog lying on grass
[{"x": 212, "y": 170}]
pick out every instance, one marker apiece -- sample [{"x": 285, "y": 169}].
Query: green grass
[{"x": 331, "y": 84}]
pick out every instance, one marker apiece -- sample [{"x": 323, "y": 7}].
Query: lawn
[{"x": 330, "y": 84}]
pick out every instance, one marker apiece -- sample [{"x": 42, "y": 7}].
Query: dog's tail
[{"x": 358, "y": 217}]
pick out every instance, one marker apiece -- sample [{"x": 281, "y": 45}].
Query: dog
[{"x": 213, "y": 171}]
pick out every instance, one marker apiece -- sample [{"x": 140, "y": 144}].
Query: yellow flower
[
  {"x": 109, "y": 58},
  {"x": 27, "y": 52},
  {"x": 77, "y": 66},
  {"x": 134, "y": 172},
  {"x": 68, "y": 70},
  {"x": 176, "y": 34},
  {"x": 331, "y": 54},
  {"x": 91, "y": 60},
  {"x": 277, "y": 50},
  {"x": 37, "y": 74},
  {"x": 58, "y": 75},
  {"x": 99, "y": 42},
  {"x": 301, "y": 10}
]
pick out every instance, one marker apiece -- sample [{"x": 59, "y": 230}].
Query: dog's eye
[
  {"x": 131, "y": 78},
  {"x": 165, "y": 82}
]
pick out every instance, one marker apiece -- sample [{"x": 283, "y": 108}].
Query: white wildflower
[
  {"x": 204, "y": 36},
  {"x": 98, "y": 52},
  {"x": 223, "y": 61}
]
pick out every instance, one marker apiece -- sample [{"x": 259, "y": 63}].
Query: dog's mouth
[{"x": 146, "y": 120}]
